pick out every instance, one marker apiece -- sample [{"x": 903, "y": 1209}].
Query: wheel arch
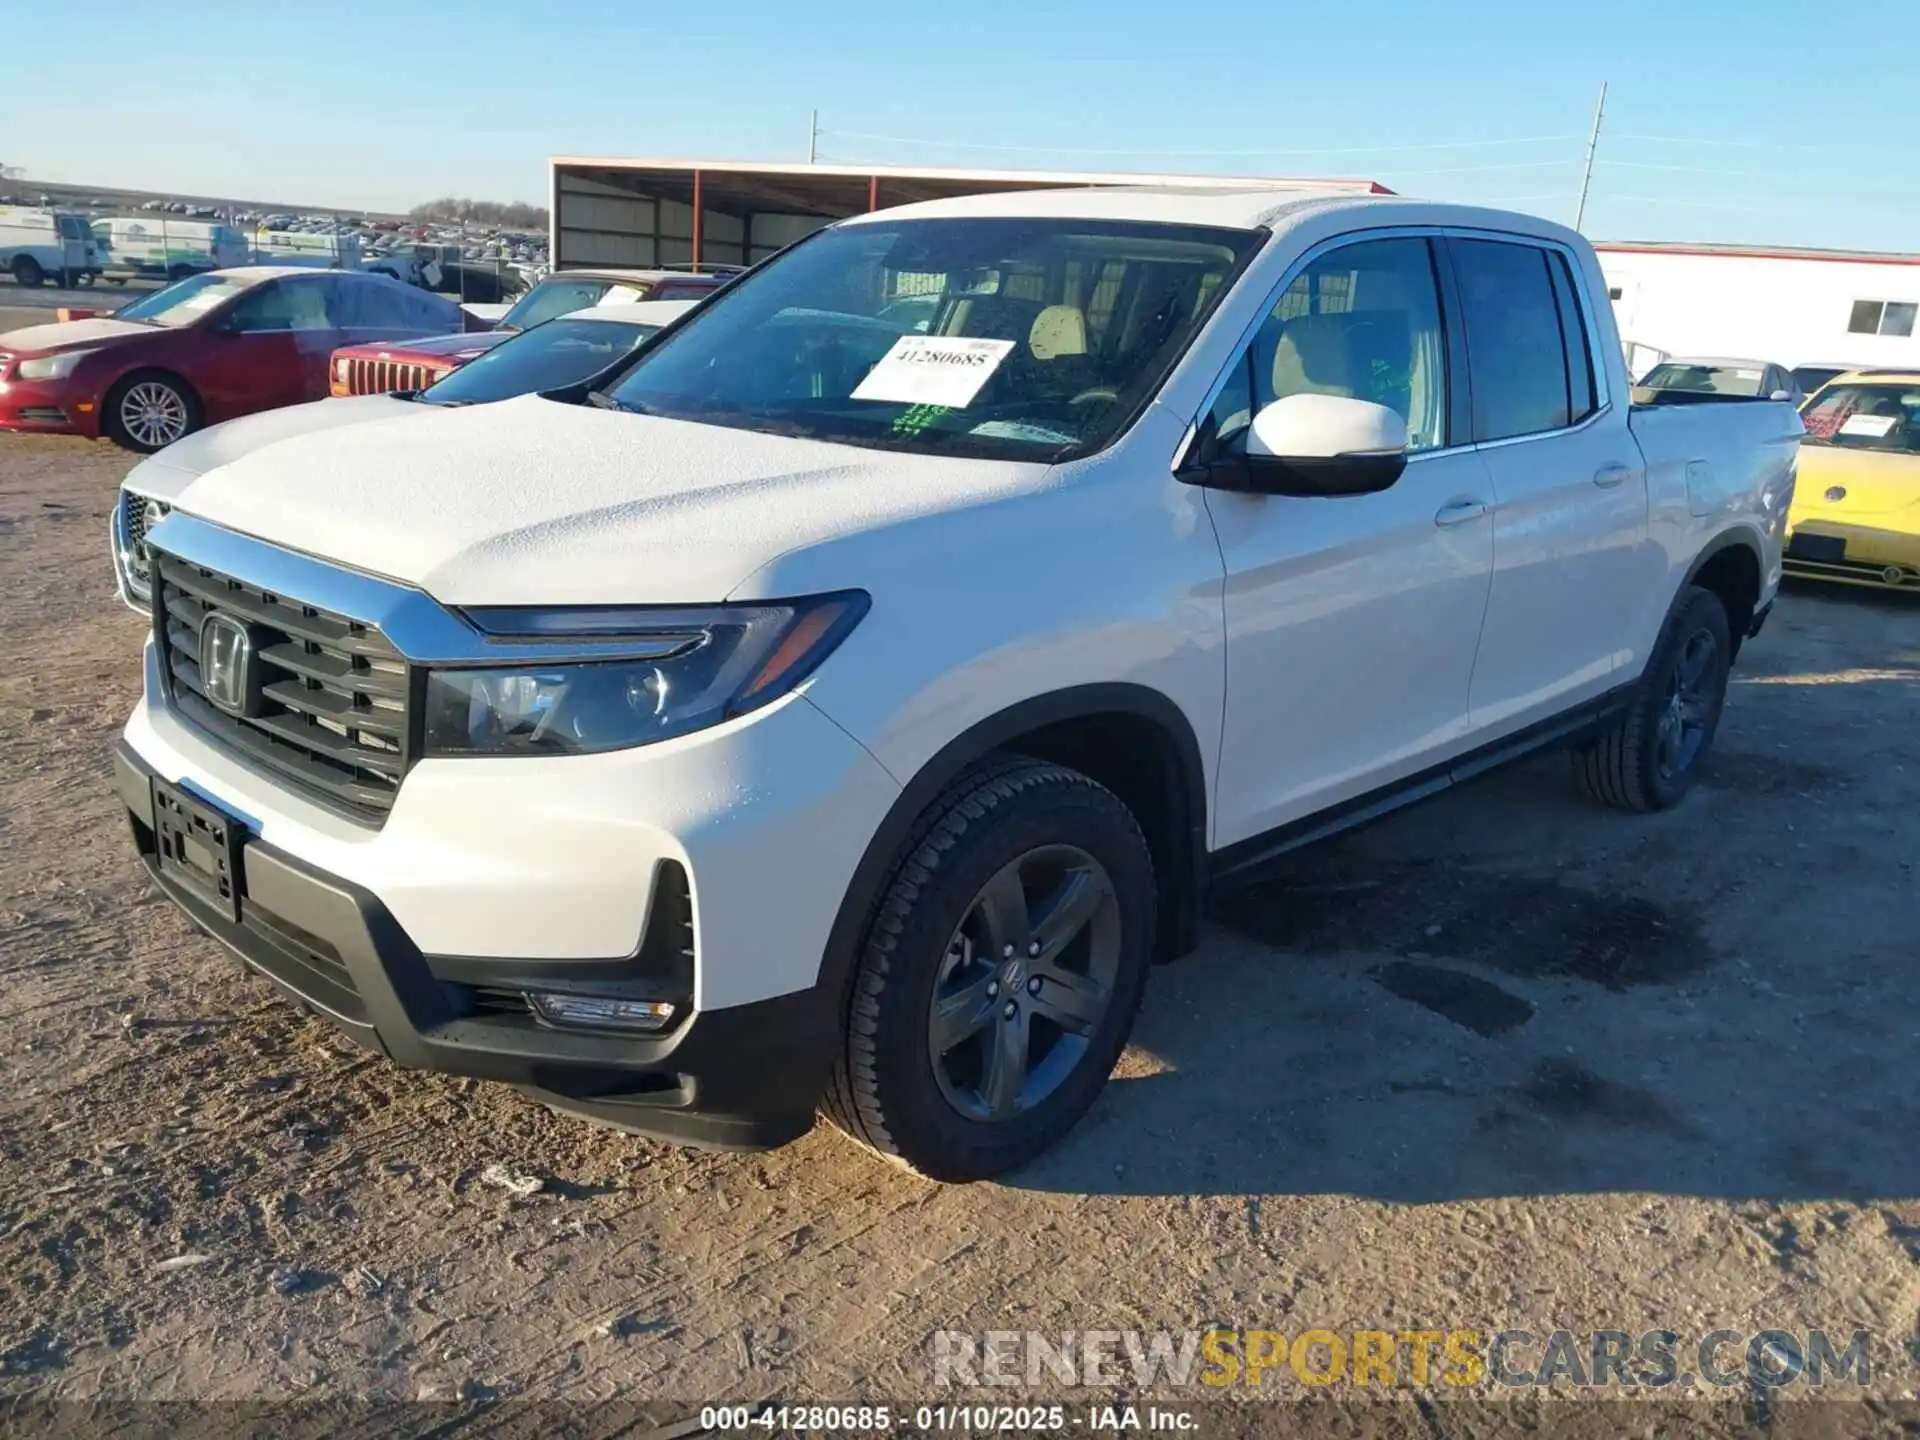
[
  {"x": 110, "y": 391},
  {"x": 1131, "y": 738},
  {"x": 1732, "y": 567}
]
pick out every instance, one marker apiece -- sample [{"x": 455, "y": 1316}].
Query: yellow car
[{"x": 1856, "y": 506}]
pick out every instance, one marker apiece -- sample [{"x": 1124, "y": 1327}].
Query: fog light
[{"x": 600, "y": 1013}]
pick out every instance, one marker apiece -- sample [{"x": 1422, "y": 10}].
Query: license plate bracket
[
  {"x": 1820, "y": 549},
  {"x": 198, "y": 846}
]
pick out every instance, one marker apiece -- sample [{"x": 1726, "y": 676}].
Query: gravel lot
[{"x": 1504, "y": 1061}]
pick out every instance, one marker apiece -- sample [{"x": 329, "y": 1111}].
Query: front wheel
[
  {"x": 1650, "y": 757},
  {"x": 1001, "y": 975},
  {"x": 150, "y": 411}
]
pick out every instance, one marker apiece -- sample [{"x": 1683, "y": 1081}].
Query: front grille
[
  {"x": 139, "y": 562},
  {"x": 379, "y": 377},
  {"x": 333, "y": 714},
  {"x": 1864, "y": 571}
]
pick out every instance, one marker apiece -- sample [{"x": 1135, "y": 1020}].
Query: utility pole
[
  {"x": 1593, "y": 143},
  {"x": 813, "y": 137}
]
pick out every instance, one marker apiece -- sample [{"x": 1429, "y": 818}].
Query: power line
[{"x": 1732, "y": 144}]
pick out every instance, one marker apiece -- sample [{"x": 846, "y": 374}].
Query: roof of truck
[{"x": 1210, "y": 205}]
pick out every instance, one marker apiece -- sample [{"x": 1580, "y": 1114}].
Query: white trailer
[
  {"x": 38, "y": 245},
  {"x": 160, "y": 247},
  {"x": 1797, "y": 307},
  {"x": 304, "y": 247}
]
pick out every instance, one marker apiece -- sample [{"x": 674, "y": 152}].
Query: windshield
[
  {"x": 1705, "y": 379},
  {"x": 1866, "y": 417},
  {"x": 1811, "y": 377},
  {"x": 184, "y": 303},
  {"x": 1030, "y": 339},
  {"x": 555, "y": 297},
  {"x": 560, "y": 352}
]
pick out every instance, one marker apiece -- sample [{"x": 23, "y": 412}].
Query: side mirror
[
  {"x": 1781, "y": 395},
  {"x": 1315, "y": 446}
]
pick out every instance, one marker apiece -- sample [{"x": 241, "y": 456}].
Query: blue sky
[{"x": 381, "y": 104}]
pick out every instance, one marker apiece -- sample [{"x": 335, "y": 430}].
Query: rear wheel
[
  {"x": 27, "y": 271},
  {"x": 1650, "y": 756},
  {"x": 1002, "y": 973},
  {"x": 150, "y": 410}
]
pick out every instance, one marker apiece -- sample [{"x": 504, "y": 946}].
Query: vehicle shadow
[{"x": 1510, "y": 991}]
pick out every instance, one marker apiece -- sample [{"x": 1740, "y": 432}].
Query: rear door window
[
  {"x": 1516, "y": 350},
  {"x": 298, "y": 303},
  {"x": 1582, "y": 394}
]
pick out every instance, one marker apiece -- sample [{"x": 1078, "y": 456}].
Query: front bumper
[
  {"x": 45, "y": 407},
  {"x": 1847, "y": 552},
  {"x": 743, "y": 1077}
]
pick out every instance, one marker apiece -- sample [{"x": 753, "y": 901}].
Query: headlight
[
  {"x": 689, "y": 669},
  {"x": 53, "y": 367}
]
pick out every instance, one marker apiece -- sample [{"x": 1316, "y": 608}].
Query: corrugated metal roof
[{"x": 938, "y": 173}]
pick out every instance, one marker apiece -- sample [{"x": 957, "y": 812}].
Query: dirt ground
[{"x": 1504, "y": 1061}]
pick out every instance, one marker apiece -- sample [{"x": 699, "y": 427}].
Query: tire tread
[
  {"x": 1613, "y": 767},
  {"x": 853, "y": 1100}
]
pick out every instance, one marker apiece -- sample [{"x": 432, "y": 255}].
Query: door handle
[
  {"x": 1460, "y": 512},
  {"x": 1611, "y": 474}
]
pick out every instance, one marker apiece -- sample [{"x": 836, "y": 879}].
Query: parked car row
[
  {"x": 232, "y": 342},
  {"x": 838, "y": 700},
  {"x": 207, "y": 349},
  {"x": 1856, "y": 511},
  {"x": 1855, "y": 518},
  {"x": 370, "y": 369}
]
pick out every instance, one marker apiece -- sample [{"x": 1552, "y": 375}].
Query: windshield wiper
[{"x": 603, "y": 401}]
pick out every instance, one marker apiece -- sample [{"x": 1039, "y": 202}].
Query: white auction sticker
[
  {"x": 1873, "y": 427},
  {"x": 933, "y": 370}
]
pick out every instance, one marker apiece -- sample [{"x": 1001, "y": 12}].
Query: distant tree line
[{"x": 515, "y": 214}]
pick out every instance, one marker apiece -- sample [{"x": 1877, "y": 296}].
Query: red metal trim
[
  {"x": 699, "y": 213},
  {"x": 873, "y": 192},
  {"x": 1759, "y": 253}
]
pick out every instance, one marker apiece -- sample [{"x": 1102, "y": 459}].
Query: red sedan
[{"x": 218, "y": 345}]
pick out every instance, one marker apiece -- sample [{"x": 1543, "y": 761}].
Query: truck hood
[
  {"x": 466, "y": 344},
  {"x": 65, "y": 334},
  {"x": 535, "y": 502},
  {"x": 164, "y": 475},
  {"x": 1871, "y": 482}
]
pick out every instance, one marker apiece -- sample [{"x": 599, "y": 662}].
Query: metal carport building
[{"x": 734, "y": 212}]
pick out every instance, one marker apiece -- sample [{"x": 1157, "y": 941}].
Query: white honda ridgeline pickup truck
[{"x": 841, "y": 704}]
